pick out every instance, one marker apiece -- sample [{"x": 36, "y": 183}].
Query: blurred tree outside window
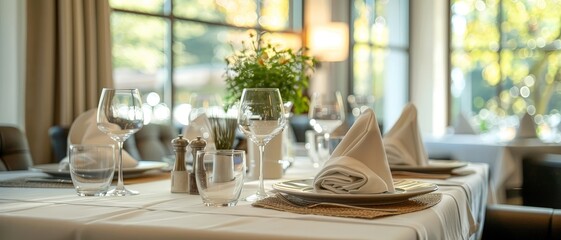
[
  {"x": 174, "y": 50},
  {"x": 380, "y": 54},
  {"x": 506, "y": 61}
]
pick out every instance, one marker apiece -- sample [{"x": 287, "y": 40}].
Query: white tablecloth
[
  {"x": 504, "y": 158},
  {"x": 48, "y": 213}
]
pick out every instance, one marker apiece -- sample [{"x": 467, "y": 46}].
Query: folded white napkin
[
  {"x": 404, "y": 143},
  {"x": 84, "y": 131},
  {"x": 200, "y": 127},
  {"x": 358, "y": 164},
  {"x": 527, "y": 128},
  {"x": 463, "y": 126}
]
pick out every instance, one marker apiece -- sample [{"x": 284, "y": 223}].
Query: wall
[
  {"x": 429, "y": 63},
  {"x": 12, "y": 62}
]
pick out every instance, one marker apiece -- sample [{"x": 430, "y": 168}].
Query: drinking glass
[
  {"x": 326, "y": 112},
  {"x": 91, "y": 168},
  {"x": 220, "y": 175},
  {"x": 120, "y": 115},
  {"x": 261, "y": 117}
]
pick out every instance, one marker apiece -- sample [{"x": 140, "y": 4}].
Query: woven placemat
[
  {"x": 293, "y": 204},
  {"x": 25, "y": 182}
]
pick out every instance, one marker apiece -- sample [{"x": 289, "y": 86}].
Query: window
[
  {"x": 173, "y": 50},
  {"x": 380, "y": 54},
  {"x": 506, "y": 61}
]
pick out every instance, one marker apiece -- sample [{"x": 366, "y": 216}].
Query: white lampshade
[{"x": 329, "y": 42}]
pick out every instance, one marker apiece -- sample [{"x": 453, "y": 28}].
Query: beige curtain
[{"x": 68, "y": 63}]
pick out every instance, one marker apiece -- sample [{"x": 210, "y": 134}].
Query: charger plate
[
  {"x": 404, "y": 189},
  {"x": 143, "y": 166}
]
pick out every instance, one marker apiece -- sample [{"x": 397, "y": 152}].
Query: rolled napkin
[
  {"x": 404, "y": 143},
  {"x": 84, "y": 131},
  {"x": 358, "y": 164}
]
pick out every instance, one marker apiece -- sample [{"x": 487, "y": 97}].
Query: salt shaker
[
  {"x": 197, "y": 144},
  {"x": 179, "y": 174}
]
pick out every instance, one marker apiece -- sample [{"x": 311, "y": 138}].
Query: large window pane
[
  {"x": 144, "y": 45},
  {"x": 199, "y": 52},
  {"x": 505, "y": 62},
  {"x": 241, "y": 13},
  {"x": 380, "y": 55},
  {"x": 474, "y": 24},
  {"x": 138, "y": 58},
  {"x": 530, "y": 24}
]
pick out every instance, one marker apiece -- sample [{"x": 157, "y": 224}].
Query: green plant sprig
[
  {"x": 262, "y": 65},
  {"x": 224, "y": 131}
]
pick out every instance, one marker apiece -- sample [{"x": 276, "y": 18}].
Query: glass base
[
  {"x": 258, "y": 196},
  {"x": 121, "y": 192},
  {"x": 91, "y": 194},
  {"x": 215, "y": 204}
]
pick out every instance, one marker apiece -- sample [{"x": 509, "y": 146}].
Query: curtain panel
[{"x": 68, "y": 63}]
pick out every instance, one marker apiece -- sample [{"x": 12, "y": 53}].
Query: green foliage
[
  {"x": 224, "y": 131},
  {"x": 262, "y": 65}
]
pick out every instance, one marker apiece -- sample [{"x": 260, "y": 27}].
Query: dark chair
[
  {"x": 521, "y": 222},
  {"x": 541, "y": 186},
  {"x": 14, "y": 149},
  {"x": 59, "y": 141},
  {"x": 151, "y": 142},
  {"x": 300, "y": 124}
]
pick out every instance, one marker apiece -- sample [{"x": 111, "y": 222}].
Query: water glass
[
  {"x": 220, "y": 176},
  {"x": 320, "y": 149},
  {"x": 91, "y": 168}
]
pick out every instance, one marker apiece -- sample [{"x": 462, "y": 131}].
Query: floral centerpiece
[{"x": 260, "y": 64}]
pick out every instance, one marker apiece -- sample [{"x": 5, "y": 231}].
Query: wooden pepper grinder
[
  {"x": 197, "y": 144},
  {"x": 179, "y": 174}
]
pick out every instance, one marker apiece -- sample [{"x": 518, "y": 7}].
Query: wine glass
[
  {"x": 261, "y": 117},
  {"x": 120, "y": 115},
  {"x": 326, "y": 114}
]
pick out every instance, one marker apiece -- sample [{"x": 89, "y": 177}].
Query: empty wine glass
[
  {"x": 326, "y": 114},
  {"x": 120, "y": 115},
  {"x": 261, "y": 117}
]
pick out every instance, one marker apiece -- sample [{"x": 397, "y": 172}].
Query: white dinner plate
[
  {"x": 143, "y": 166},
  {"x": 435, "y": 166},
  {"x": 404, "y": 189}
]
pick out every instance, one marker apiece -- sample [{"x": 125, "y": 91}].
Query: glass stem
[
  {"x": 261, "y": 191},
  {"x": 326, "y": 136},
  {"x": 120, "y": 184}
]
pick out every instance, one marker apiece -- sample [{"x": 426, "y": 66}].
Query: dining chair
[
  {"x": 521, "y": 222},
  {"x": 58, "y": 135},
  {"x": 14, "y": 149},
  {"x": 152, "y": 142},
  {"x": 541, "y": 184}
]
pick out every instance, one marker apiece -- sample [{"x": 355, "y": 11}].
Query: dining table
[
  {"x": 504, "y": 158},
  {"x": 58, "y": 213}
]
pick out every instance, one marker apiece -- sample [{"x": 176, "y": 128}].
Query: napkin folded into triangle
[
  {"x": 84, "y": 131},
  {"x": 527, "y": 128},
  {"x": 200, "y": 127},
  {"x": 463, "y": 126},
  {"x": 404, "y": 143},
  {"x": 358, "y": 164}
]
